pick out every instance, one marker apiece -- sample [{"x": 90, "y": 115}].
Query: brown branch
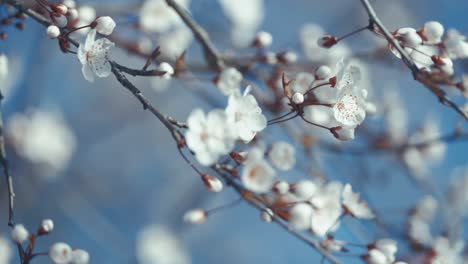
[
  {"x": 418, "y": 75},
  {"x": 6, "y": 172},
  {"x": 212, "y": 55}
]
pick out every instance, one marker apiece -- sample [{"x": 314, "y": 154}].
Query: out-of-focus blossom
[
  {"x": 257, "y": 175},
  {"x": 327, "y": 204},
  {"x": 447, "y": 252},
  {"x": 432, "y": 32},
  {"x": 229, "y": 81},
  {"x": 19, "y": 234},
  {"x": 7, "y": 251},
  {"x": 157, "y": 16},
  {"x": 80, "y": 256},
  {"x": 60, "y": 253},
  {"x": 43, "y": 138},
  {"x": 300, "y": 215},
  {"x": 195, "y": 216},
  {"x": 353, "y": 206},
  {"x": 455, "y": 44},
  {"x": 3, "y": 67},
  {"x": 86, "y": 16},
  {"x": 157, "y": 244},
  {"x": 175, "y": 42},
  {"x": 282, "y": 155},
  {"x": 105, "y": 25}
]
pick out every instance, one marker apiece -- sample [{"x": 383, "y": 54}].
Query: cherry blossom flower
[
  {"x": 432, "y": 32},
  {"x": 209, "y": 136},
  {"x": 257, "y": 175},
  {"x": 297, "y": 98},
  {"x": 43, "y": 138},
  {"x": 353, "y": 206},
  {"x": 281, "y": 187},
  {"x": 327, "y": 205},
  {"x": 3, "y": 67},
  {"x": 396, "y": 117},
  {"x": 388, "y": 247},
  {"x": 93, "y": 55},
  {"x": 86, "y": 15},
  {"x": 302, "y": 82},
  {"x": 263, "y": 39},
  {"x": 80, "y": 256},
  {"x": 344, "y": 133},
  {"x": 212, "y": 183},
  {"x": 304, "y": 189},
  {"x": 229, "y": 81},
  {"x": 447, "y": 252},
  {"x": 195, "y": 216},
  {"x": 300, "y": 215},
  {"x": 282, "y": 155},
  {"x": 7, "y": 251},
  {"x": 323, "y": 72},
  {"x": 61, "y": 253},
  {"x": 157, "y": 16},
  {"x": 455, "y": 44},
  {"x": 105, "y": 25},
  {"x": 47, "y": 226},
  {"x": 408, "y": 37},
  {"x": 158, "y": 244},
  {"x": 19, "y": 234},
  {"x": 245, "y": 116},
  {"x": 175, "y": 42}
]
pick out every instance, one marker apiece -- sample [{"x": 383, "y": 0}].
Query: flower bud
[
  {"x": 212, "y": 183},
  {"x": 46, "y": 227},
  {"x": 53, "y": 31},
  {"x": 262, "y": 39},
  {"x": 105, "y": 25},
  {"x": 72, "y": 14},
  {"x": 267, "y": 215},
  {"x": 327, "y": 41},
  {"x": 79, "y": 256},
  {"x": 343, "y": 133},
  {"x": 60, "y": 253},
  {"x": 287, "y": 57},
  {"x": 195, "y": 216},
  {"x": 60, "y": 21},
  {"x": 432, "y": 32},
  {"x": 323, "y": 72},
  {"x": 298, "y": 98},
  {"x": 281, "y": 187},
  {"x": 19, "y": 234},
  {"x": 61, "y": 9}
]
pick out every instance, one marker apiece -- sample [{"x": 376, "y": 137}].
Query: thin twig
[{"x": 212, "y": 54}]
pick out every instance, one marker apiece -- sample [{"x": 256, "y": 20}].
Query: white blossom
[
  {"x": 419, "y": 230},
  {"x": 209, "y": 136},
  {"x": 302, "y": 82},
  {"x": 344, "y": 133},
  {"x": 263, "y": 39},
  {"x": 105, "y": 25},
  {"x": 353, "y": 206},
  {"x": 245, "y": 116},
  {"x": 282, "y": 155},
  {"x": 53, "y": 31},
  {"x": 388, "y": 247},
  {"x": 195, "y": 216},
  {"x": 300, "y": 215},
  {"x": 60, "y": 253},
  {"x": 447, "y": 252},
  {"x": 408, "y": 37},
  {"x": 297, "y": 98},
  {"x": 257, "y": 175},
  {"x": 3, "y": 67},
  {"x": 19, "y": 234},
  {"x": 157, "y": 244},
  {"x": 175, "y": 42},
  {"x": 433, "y": 32},
  {"x": 305, "y": 189},
  {"x": 47, "y": 226},
  {"x": 375, "y": 256},
  {"x": 281, "y": 187},
  {"x": 455, "y": 44},
  {"x": 323, "y": 72},
  {"x": 93, "y": 56},
  {"x": 327, "y": 204},
  {"x": 79, "y": 256},
  {"x": 42, "y": 137},
  {"x": 7, "y": 251},
  {"x": 60, "y": 20},
  {"x": 157, "y": 16},
  {"x": 212, "y": 183},
  {"x": 229, "y": 81},
  {"x": 86, "y": 15}
]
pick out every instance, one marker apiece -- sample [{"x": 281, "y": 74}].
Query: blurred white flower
[
  {"x": 7, "y": 251},
  {"x": 300, "y": 216},
  {"x": 93, "y": 55},
  {"x": 435, "y": 149},
  {"x": 43, "y": 138},
  {"x": 263, "y": 39},
  {"x": 52, "y": 32},
  {"x": 323, "y": 72},
  {"x": 212, "y": 183},
  {"x": 47, "y": 226},
  {"x": 455, "y": 44},
  {"x": 245, "y": 116},
  {"x": 432, "y": 32},
  {"x": 157, "y": 16},
  {"x": 446, "y": 252},
  {"x": 60, "y": 253},
  {"x": 80, "y": 256},
  {"x": 86, "y": 16},
  {"x": 209, "y": 136},
  {"x": 257, "y": 174},
  {"x": 3, "y": 67},
  {"x": 161, "y": 83},
  {"x": 282, "y": 155},
  {"x": 195, "y": 216},
  {"x": 229, "y": 81},
  {"x": 281, "y": 187},
  {"x": 408, "y": 37},
  {"x": 344, "y": 133},
  {"x": 304, "y": 189},
  {"x": 388, "y": 247},
  {"x": 419, "y": 230},
  {"x": 458, "y": 193},
  {"x": 245, "y": 17},
  {"x": 105, "y": 25},
  {"x": 302, "y": 82},
  {"x": 375, "y": 256},
  {"x": 353, "y": 206},
  {"x": 157, "y": 244},
  {"x": 396, "y": 117},
  {"x": 327, "y": 204},
  {"x": 19, "y": 234},
  {"x": 175, "y": 42}
]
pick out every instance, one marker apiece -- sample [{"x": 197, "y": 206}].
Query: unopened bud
[
  {"x": 262, "y": 39},
  {"x": 46, "y": 227},
  {"x": 298, "y": 98},
  {"x": 195, "y": 216},
  {"x": 53, "y": 31},
  {"x": 212, "y": 183},
  {"x": 267, "y": 215},
  {"x": 327, "y": 41}
]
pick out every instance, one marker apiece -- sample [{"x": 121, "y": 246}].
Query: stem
[{"x": 353, "y": 32}]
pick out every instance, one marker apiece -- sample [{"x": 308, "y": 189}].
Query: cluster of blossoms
[
  {"x": 213, "y": 134},
  {"x": 59, "y": 253}
]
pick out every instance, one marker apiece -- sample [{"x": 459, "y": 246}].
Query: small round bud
[
  {"x": 408, "y": 37},
  {"x": 105, "y": 25},
  {"x": 327, "y": 41},
  {"x": 60, "y": 21},
  {"x": 19, "y": 234},
  {"x": 343, "y": 133},
  {"x": 432, "y": 32},
  {"x": 79, "y": 256},
  {"x": 267, "y": 215},
  {"x": 270, "y": 58},
  {"x": 287, "y": 57},
  {"x": 298, "y": 98},
  {"x": 212, "y": 183},
  {"x": 72, "y": 14},
  {"x": 53, "y": 31},
  {"x": 195, "y": 216},
  {"x": 281, "y": 187},
  {"x": 166, "y": 67},
  {"x": 60, "y": 253},
  {"x": 239, "y": 157},
  {"x": 323, "y": 72},
  {"x": 263, "y": 39},
  {"x": 46, "y": 227},
  {"x": 61, "y": 9}
]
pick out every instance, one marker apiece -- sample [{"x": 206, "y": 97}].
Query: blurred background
[{"x": 109, "y": 174}]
